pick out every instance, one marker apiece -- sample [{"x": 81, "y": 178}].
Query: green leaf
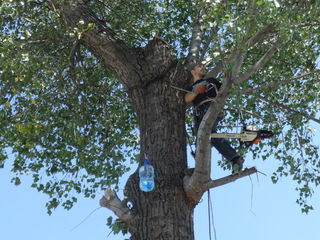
[{"x": 16, "y": 181}]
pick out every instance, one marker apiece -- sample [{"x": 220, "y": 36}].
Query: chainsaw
[{"x": 248, "y": 136}]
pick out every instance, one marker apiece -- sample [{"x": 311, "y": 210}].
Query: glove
[{"x": 199, "y": 88}]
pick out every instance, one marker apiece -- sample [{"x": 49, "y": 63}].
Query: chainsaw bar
[{"x": 247, "y": 137}]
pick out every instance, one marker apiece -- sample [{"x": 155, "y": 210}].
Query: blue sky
[{"x": 248, "y": 209}]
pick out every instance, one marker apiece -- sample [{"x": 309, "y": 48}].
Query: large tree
[{"x": 88, "y": 86}]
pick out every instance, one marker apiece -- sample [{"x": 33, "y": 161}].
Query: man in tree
[{"x": 201, "y": 94}]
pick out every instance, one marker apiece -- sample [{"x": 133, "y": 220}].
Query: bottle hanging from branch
[{"x": 146, "y": 174}]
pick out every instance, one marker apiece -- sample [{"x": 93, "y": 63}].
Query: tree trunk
[
  {"x": 164, "y": 213},
  {"x": 148, "y": 75}
]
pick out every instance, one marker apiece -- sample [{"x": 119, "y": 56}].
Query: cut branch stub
[{"x": 111, "y": 200}]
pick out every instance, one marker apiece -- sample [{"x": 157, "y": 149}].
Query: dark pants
[{"x": 221, "y": 144}]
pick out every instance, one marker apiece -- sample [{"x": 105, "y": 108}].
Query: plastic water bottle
[{"x": 146, "y": 174}]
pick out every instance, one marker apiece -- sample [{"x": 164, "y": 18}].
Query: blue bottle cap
[{"x": 146, "y": 162}]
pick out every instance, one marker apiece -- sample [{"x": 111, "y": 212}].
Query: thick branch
[
  {"x": 99, "y": 38},
  {"x": 194, "y": 185},
  {"x": 240, "y": 56},
  {"x": 111, "y": 200},
  {"x": 261, "y": 62},
  {"x": 230, "y": 178},
  {"x": 195, "y": 41}
]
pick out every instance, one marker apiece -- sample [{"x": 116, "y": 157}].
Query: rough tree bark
[{"x": 166, "y": 212}]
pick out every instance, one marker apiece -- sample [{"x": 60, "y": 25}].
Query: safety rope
[{"x": 210, "y": 216}]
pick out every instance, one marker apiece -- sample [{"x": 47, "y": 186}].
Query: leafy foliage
[
  {"x": 117, "y": 226},
  {"x": 138, "y": 21},
  {"x": 69, "y": 123},
  {"x": 63, "y": 115}
]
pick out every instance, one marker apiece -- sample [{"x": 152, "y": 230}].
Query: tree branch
[
  {"x": 244, "y": 47},
  {"x": 195, "y": 41},
  {"x": 240, "y": 56},
  {"x": 213, "y": 31},
  {"x": 73, "y": 62},
  {"x": 194, "y": 184},
  {"x": 215, "y": 71},
  {"x": 221, "y": 65},
  {"x": 111, "y": 200},
  {"x": 276, "y": 84},
  {"x": 260, "y": 35},
  {"x": 245, "y": 111},
  {"x": 262, "y": 61},
  {"x": 101, "y": 40},
  {"x": 230, "y": 178}
]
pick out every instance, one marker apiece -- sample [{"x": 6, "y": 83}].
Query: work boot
[{"x": 237, "y": 164}]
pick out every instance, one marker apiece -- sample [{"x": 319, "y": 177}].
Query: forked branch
[
  {"x": 196, "y": 184},
  {"x": 99, "y": 38}
]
